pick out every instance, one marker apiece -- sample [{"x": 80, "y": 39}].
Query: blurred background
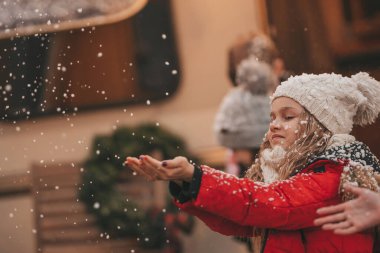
[{"x": 71, "y": 72}]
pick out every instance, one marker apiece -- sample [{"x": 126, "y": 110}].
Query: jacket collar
[{"x": 355, "y": 151}]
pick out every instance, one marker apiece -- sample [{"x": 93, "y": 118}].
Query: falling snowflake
[{"x": 96, "y": 205}]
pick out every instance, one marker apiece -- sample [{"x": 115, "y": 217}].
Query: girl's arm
[
  {"x": 288, "y": 204},
  {"x": 184, "y": 186},
  {"x": 224, "y": 226},
  {"x": 218, "y": 224}
]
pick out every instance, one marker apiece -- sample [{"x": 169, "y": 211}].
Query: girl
[{"x": 306, "y": 156}]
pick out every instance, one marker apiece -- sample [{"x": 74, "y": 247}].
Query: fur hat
[
  {"x": 262, "y": 47},
  {"x": 259, "y": 46},
  {"x": 256, "y": 76},
  {"x": 337, "y": 102},
  {"x": 242, "y": 119}
]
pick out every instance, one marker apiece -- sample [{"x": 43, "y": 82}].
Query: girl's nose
[{"x": 274, "y": 125}]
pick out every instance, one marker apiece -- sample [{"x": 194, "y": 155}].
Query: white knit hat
[{"x": 337, "y": 102}]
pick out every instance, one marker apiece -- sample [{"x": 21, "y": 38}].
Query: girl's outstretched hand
[
  {"x": 177, "y": 169},
  {"x": 352, "y": 216}
]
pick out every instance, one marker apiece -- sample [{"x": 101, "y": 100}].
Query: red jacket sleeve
[
  {"x": 288, "y": 204},
  {"x": 217, "y": 223}
]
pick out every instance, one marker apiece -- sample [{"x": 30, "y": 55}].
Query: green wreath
[{"x": 115, "y": 216}]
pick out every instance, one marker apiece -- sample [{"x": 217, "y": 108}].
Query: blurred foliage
[{"x": 117, "y": 216}]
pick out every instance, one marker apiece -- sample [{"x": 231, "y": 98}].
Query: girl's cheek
[{"x": 297, "y": 133}]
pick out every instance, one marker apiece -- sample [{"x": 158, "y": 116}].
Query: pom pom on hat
[
  {"x": 262, "y": 47},
  {"x": 369, "y": 109},
  {"x": 337, "y": 102},
  {"x": 255, "y": 76}
]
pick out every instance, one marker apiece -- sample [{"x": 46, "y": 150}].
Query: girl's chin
[{"x": 279, "y": 144}]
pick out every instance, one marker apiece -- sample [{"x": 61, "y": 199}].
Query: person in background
[
  {"x": 243, "y": 116},
  {"x": 307, "y": 155},
  {"x": 261, "y": 47}
]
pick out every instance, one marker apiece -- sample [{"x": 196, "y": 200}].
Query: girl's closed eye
[{"x": 289, "y": 117}]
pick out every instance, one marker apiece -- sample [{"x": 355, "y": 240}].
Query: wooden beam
[{"x": 15, "y": 184}]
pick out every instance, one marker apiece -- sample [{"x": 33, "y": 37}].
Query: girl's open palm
[
  {"x": 177, "y": 169},
  {"x": 352, "y": 216}
]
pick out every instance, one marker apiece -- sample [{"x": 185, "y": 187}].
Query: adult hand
[
  {"x": 177, "y": 169},
  {"x": 352, "y": 216}
]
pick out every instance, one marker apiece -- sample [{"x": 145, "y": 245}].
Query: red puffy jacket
[{"x": 287, "y": 209}]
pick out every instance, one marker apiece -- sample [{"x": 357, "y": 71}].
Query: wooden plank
[
  {"x": 55, "y": 169},
  {"x": 67, "y": 221},
  {"x": 49, "y": 182},
  {"x": 114, "y": 246},
  {"x": 74, "y": 234},
  {"x": 15, "y": 184},
  {"x": 129, "y": 191},
  {"x": 62, "y": 221},
  {"x": 56, "y": 184},
  {"x": 61, "y": 208},
  {"x": 61, "y": 194}
]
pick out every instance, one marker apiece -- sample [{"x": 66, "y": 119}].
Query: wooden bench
[{"x": 62, "y": 221}]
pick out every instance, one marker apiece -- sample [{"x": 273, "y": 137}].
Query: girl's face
[{"x": 285, "y": 122}]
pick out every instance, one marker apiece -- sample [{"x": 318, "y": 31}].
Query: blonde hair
[{"x": 312, "y": 139}]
